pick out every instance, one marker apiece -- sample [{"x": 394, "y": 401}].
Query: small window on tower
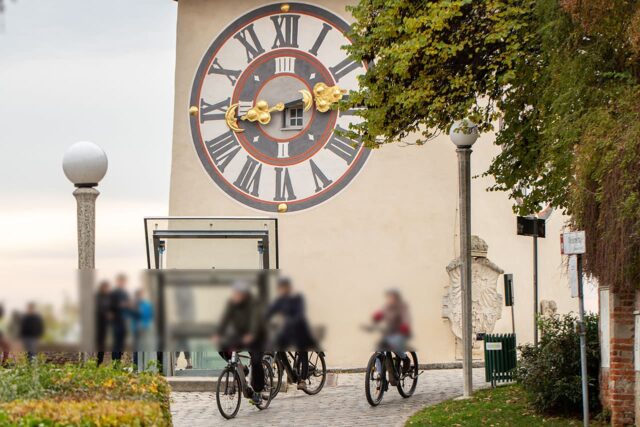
[{"x": 295, "y": 117}]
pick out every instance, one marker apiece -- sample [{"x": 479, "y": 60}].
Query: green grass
[{"x": 502, "y": 406}]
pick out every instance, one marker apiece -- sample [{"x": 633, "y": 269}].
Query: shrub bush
[
  {"x": 550, "y": 372},
  {"x": 101, "y": 413},
  {"x": 84, "y": 394}
]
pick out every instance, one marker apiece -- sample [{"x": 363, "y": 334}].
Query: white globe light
[
  {"x": 84, "y": 164},
  {"x": 463, "y": 133}
]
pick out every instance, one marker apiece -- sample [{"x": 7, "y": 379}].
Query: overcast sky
[{"x": 74, "y": 70}]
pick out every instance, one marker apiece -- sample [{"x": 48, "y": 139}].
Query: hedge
[
  {"x": 101, "y": 413},
  {"x": 77, "y": 394}
]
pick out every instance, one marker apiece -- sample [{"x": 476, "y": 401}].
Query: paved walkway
[{"x": 342, "y": 405}]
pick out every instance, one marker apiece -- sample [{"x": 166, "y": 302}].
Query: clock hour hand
[{"x": 261, "y": 112}]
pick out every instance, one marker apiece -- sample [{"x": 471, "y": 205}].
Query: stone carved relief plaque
[{"x": 487, "y": 302}]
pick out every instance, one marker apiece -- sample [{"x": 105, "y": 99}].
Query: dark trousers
[
  {"x": 119, "y": 338},
  {"x": 101, "y": 338},
  {"x": 303, "y": 365},
  {"x": 257, "y": 371}
]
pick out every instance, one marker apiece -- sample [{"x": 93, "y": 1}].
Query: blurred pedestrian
[
  {"x": 15, "y": 324},
  {"x": 396, "y": 325},
  {"x": 141, "y": 323},
  {"x": 31, "y": 330},
  {"x": 120, "y": 311},
  {"x": 185, "y": 312},
  {"x": 187, "y": 356},
  {"x": 242, "y": 328},
  {"x": 295, "y": 331},
  {"x": 103, "y": 318},
  {"x": 4, "y": 339}
]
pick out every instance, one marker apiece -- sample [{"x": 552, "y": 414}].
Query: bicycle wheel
[
  {"x": 268, "y": 386},
  {"x": 374, "y": 380},
  {"x": 228, "y": 393},
  {"x": 317, "y": 373},
  {"x": 278, "y": 370},
  {"x": 409, "y": 378}
]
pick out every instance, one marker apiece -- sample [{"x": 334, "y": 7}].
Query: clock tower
[
  {"x": 256, "y": 133},
  {"x": 261, "y": 101}
]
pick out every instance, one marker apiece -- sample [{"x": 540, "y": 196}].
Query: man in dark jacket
[
  {"x": 241, "y": 328},
  {"x": 295, "y": 331},
  {"x": 4, "y": 340},
  {"x": 103, "y": 317},
  {"x": 120, "y": 310},
  {"x": 31, "y": 330}
]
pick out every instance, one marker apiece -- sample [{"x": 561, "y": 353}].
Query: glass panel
[
  {"x": 202, "y": 251},
  {"x": 206, "y": 243}
]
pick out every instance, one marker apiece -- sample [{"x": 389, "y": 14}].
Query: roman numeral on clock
[
  {"x": 223, "y": 149},
  {"x": 284, "y": 187},
  {"x": 342, "y": 147},
  {"x": 286, "y": 31},
  {"x": 249, "y": 178},
  {"x": 323, "y": 33},
  {"x": 319, "y": 178},
  {"x": 283, "y": 150},
  {"x": 232, "y": 75},
  {"x": 344, "y": 67},
  {"x": 250, "y": 43},
  {"x": 244, "y": 107},
  {"x": 285, "y": 64},
  {"x": 208, "y": 111}
]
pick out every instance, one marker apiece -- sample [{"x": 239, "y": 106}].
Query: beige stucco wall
[{"x": 395, "y": 225}]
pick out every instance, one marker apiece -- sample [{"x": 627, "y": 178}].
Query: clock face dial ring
[
  {"x": 260, "y": 129},
  {"x": 312, "y": 136}
]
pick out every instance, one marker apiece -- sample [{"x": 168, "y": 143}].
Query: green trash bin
[{"x": 499, "y": 357}]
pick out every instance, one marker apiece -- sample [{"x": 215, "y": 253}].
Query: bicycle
[
  {"x": 383, "y": 364},
  {"x": 289, "y": 362},
  {"x": 233, "y": 380}
]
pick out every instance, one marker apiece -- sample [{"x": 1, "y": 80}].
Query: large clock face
[{"x": 264, "y": 123}]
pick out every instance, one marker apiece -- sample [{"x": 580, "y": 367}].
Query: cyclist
[
  {"x": 397, "y": 327},
  {"x": 241, "y": 328},
  {"x": 295, "y": 331}
]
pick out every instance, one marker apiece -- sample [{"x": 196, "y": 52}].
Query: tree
[
  {"x": 563, "y": 76},
  {"x": 435, "y": 62}
]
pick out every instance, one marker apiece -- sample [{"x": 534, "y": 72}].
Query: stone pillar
[
  {"x": 86, "y": 198},
  {"x": 464, "y": 185},
  {"x": 621, "y": 372}
]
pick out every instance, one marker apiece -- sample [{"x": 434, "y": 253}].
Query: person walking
[
  {"x": 120, "y": 311},
  {"x": 4, "y": 340},
  {"x": 141, "y": 323},
  {"x": 31, "y": 330},
  {"x": 103, "y": 318}
]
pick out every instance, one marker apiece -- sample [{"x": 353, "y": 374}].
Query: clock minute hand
[{"x": 326, "y": 96}]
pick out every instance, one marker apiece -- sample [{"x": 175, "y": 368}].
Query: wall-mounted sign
[
  {"x": 573, "y": 275},
  {"x": 573, "y": 243},
  {"x": 531, "y": 226}
]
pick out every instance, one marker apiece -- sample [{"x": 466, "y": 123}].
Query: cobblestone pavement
[{"x": 341, "y": 405}]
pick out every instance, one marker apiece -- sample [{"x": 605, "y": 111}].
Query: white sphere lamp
[
  {"x": 463, "y": 133},
  {"x": 84, "y": 164}
]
